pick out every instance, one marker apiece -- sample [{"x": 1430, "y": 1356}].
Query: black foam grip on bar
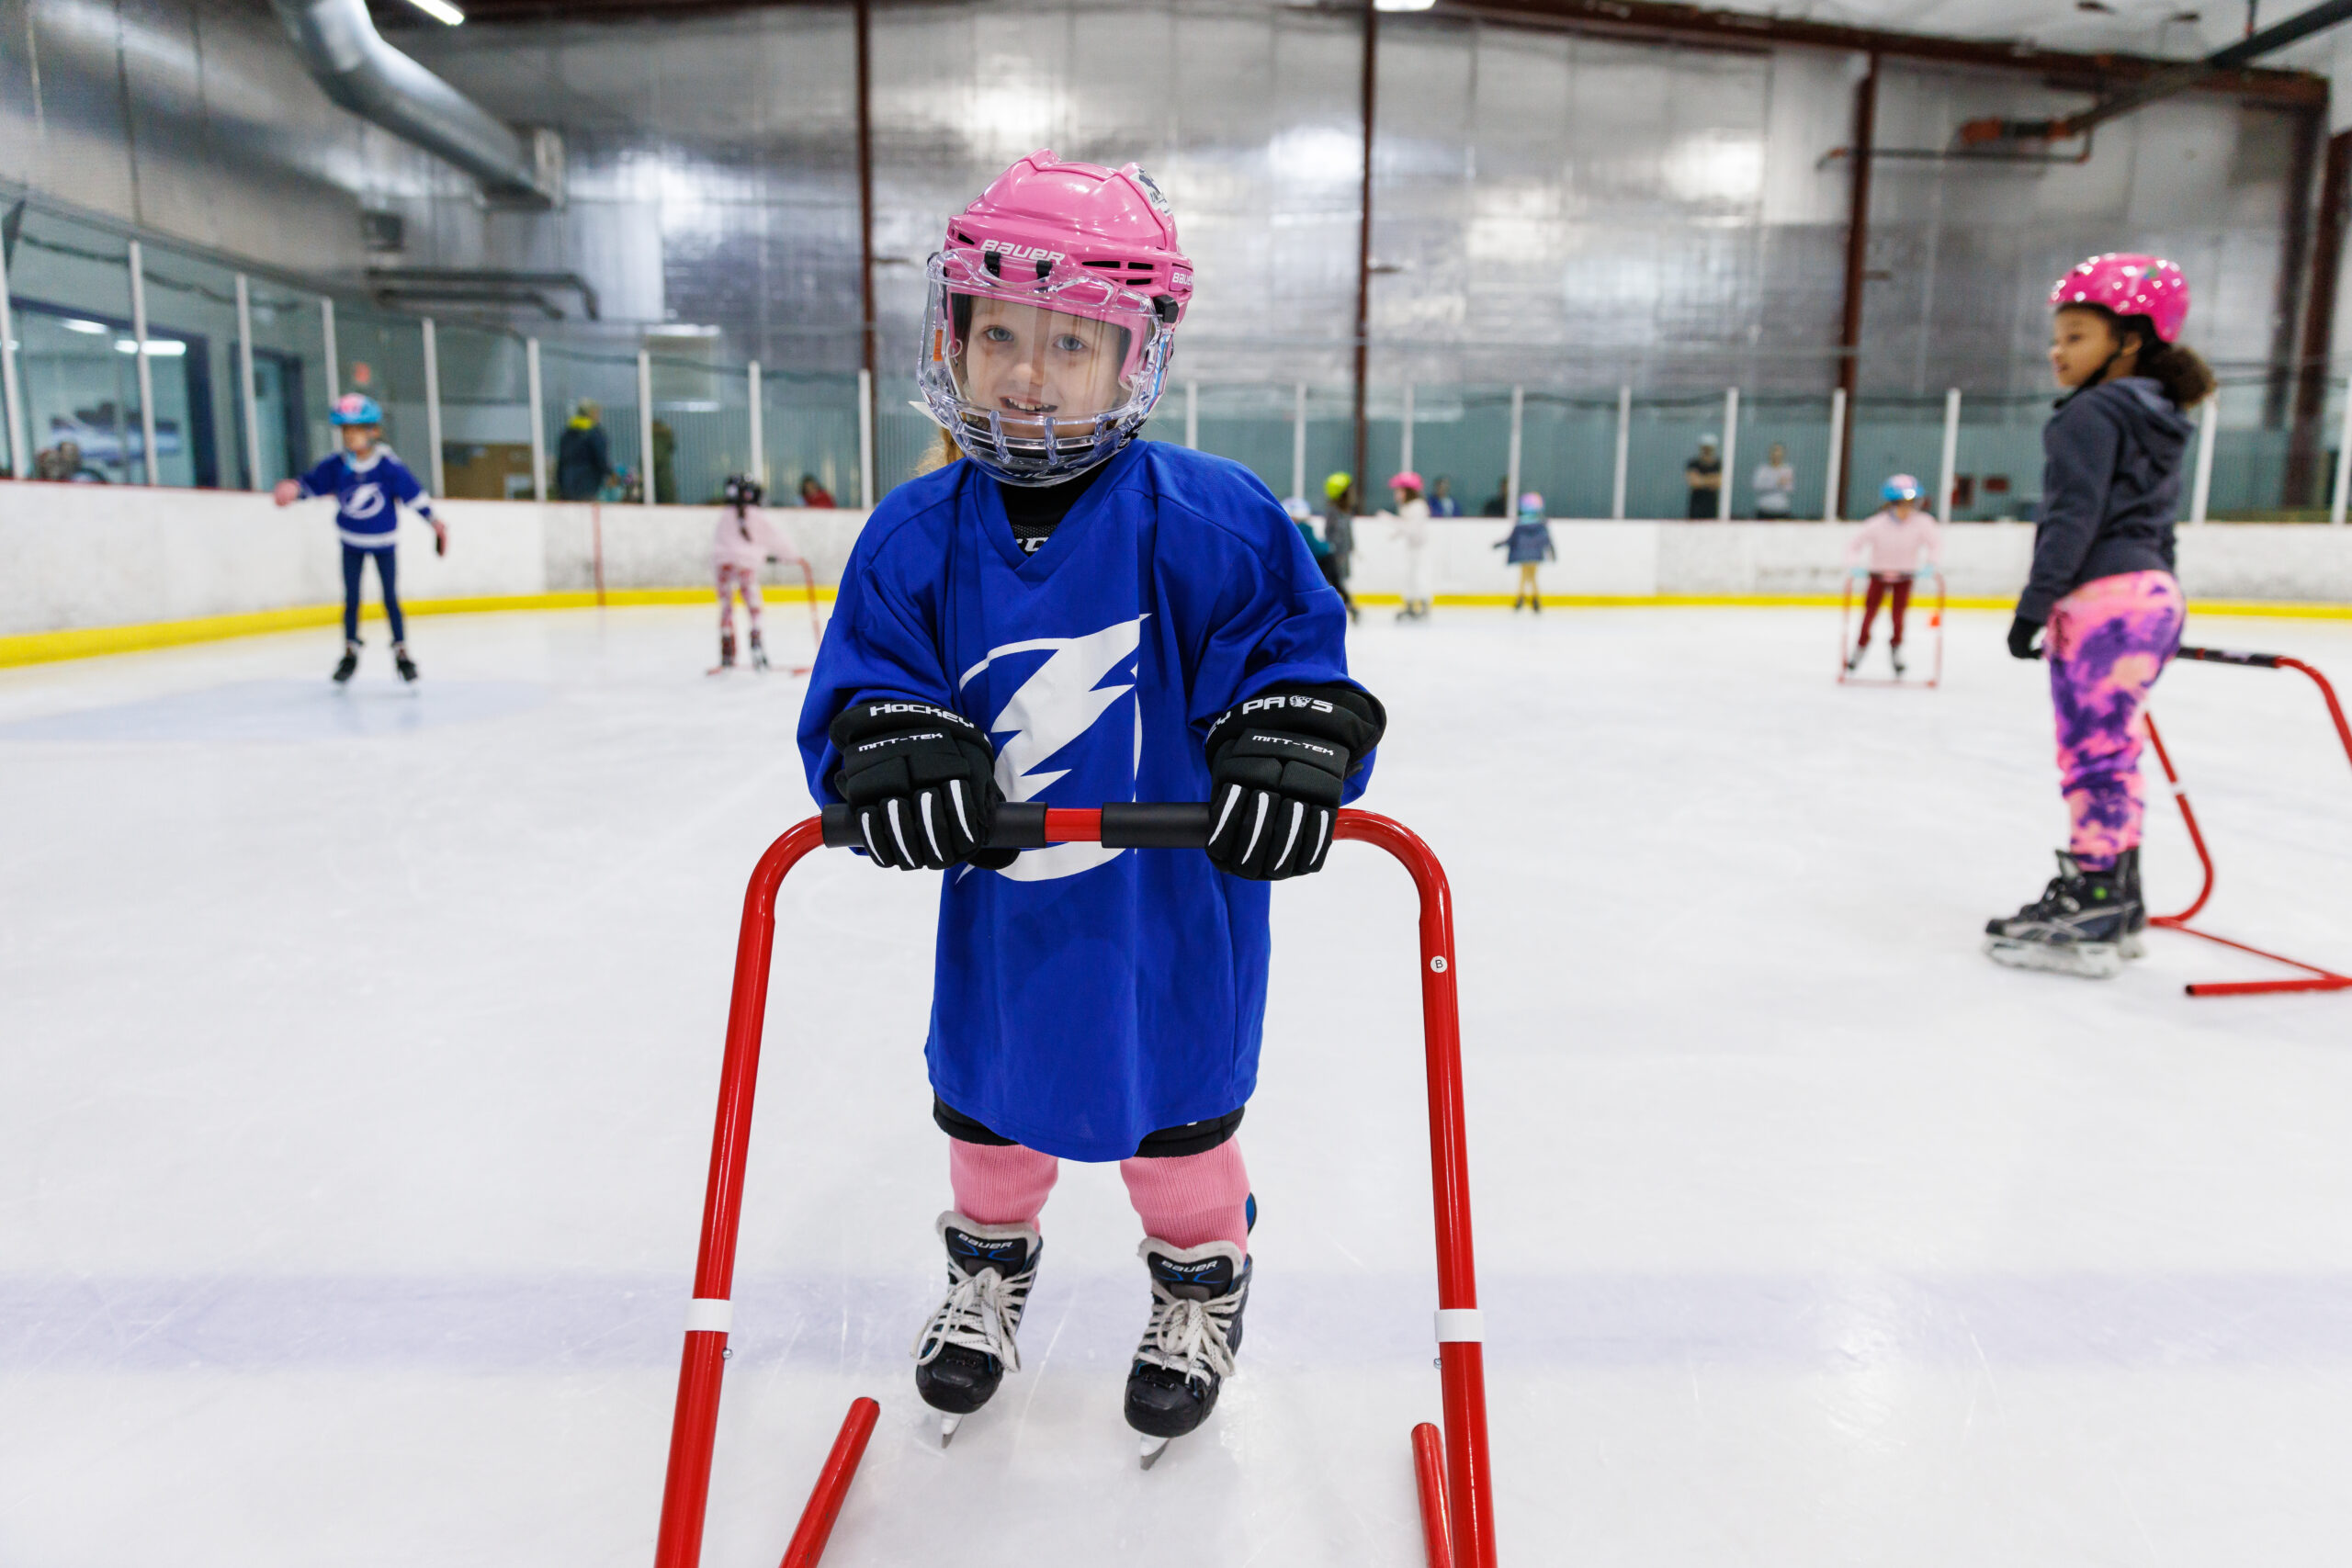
[
  {"x": 1147, "y": 824},
  {"x": 1019, "y": 825},
  {"x": 2223, "y": 656}
]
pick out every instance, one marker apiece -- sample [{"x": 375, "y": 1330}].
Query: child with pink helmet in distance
[
  {"x": 1895, "y": 537},
  {"x": 1411, "y": 528},
  {"x": 1062, "y": 613},
  {"x": 744, "y": 540},
  {"x": 2102, "y": 584}
]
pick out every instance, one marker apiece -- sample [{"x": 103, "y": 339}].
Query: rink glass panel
[
  {"x": 485, "y": 413},
  {"x": 289, "y": 379},
  {"x": 70, "y": 287},
  {"x": 608, "y": 379},
  {"x": 808, "y": 427},
  {"x": 383, "y": 356}
]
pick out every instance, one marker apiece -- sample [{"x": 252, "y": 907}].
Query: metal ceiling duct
[{"x": 369, "y": 77}]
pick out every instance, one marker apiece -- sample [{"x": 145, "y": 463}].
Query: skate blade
[
  {"x": 1152, "y": 1447},
  {"x": 2134, "y": 946},
  {"x": 2089, "y": 960},
  {"x": 947, "y": 1425}
]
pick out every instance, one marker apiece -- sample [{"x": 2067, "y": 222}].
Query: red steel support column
[
  {"x": 1857, "y": 240},
  {"x": 1363, "y": 249},
  {"x": 2304, "y": 476},
  {"x": 864, "y": 20}
]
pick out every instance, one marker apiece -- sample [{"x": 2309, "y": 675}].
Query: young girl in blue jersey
[
  {"x": 370, "y": 484},
  {"x": 1064, "y": 613}
]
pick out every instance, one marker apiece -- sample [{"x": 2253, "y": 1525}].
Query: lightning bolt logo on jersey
[
  {"x": 1086, "y": 997},
  {"x": 1060, "y": 702}
]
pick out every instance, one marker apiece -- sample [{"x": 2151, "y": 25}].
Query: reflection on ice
[{"x": 286, "y": 711}]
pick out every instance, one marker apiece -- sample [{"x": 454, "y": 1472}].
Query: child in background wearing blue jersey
[
  {"x": 370, "y": 484},
  {"x": 1063, "y": 613}
]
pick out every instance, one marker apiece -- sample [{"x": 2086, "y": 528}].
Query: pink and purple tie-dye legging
[{"x": 2108, "y": 642}]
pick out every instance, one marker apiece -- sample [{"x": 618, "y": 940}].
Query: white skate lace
[
  {"x": 981, "y": 1313},
  {"x": 1188, "y": 1338}
]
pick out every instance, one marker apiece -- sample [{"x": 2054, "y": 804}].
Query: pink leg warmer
[
  {"x": 726, "y": 598},
  {"x": 998, "y": 1185},
  {"x": 1192, "y": 1199},
  {"x": 752, "y": 604}
]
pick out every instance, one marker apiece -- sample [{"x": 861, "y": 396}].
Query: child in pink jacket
[
  {"x": 1893, "y": 539},
  {"x": 744, "y": 542}
]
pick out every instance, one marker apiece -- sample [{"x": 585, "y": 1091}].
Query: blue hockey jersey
[
  {"x": 1086, "y": 997},
  {"x": 366, "y": 494}
]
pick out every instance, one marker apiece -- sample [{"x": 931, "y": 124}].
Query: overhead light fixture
[
  {"x": 1402, "y": 4},
  {"x": 157, "y": 347},
  {"x": 94, "y": 328},
  {"x": 440, "y": 11}
]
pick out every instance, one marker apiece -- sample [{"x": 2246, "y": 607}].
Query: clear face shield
[{"x": 1038, "y": 378}]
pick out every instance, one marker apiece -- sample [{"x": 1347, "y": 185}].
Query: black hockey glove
[
  {"x": 1276, "y": 766},
  {"x": 921, "y": 783},
  {"x": 2021, "y": 638}
]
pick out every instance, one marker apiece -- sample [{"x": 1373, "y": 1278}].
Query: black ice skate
[
  {"x": 1895, "y": 656},
  {"x": 964, "y": 1352},
  {"x": 2127, "y": 872},
  {"x": 1854, "y": 660},
  {"x": 759, "y": 653},
  {"x": 348, "y": 664},
  {"x": 2082, "y": 923},
  {"x": 404, "y": 663},
  {"x": 726, "y": 653},
  {"x": 1197, "y": 1294}
]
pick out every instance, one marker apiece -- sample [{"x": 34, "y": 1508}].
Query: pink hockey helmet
[
  {"x": 2129, "y": 285},
  {"x": 1068, "y": 239},
  {"x": 1407, "y": 479}
]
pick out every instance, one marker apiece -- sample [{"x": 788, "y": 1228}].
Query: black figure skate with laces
[{"x": 964, "y": 1352}]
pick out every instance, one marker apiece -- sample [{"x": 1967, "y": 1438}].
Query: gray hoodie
[{"x": 2110, "y": 484}]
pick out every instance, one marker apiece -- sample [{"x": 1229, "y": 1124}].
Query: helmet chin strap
[{"x": 2099, "y": 375}]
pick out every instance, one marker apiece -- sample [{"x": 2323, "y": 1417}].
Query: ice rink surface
[{"x": 360, "y": 1048}]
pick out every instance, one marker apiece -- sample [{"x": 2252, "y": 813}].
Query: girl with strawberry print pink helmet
[
  {"x": 1062, "y": 614},
  {"x": 1051, "y": 313},
  {"x": 2102, "y": 595}
]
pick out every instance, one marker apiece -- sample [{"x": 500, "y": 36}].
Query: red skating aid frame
[
  {"x": 1452, "y": 1468},
  {"x": 2314, "y": 977},
  {"x": 1845, "y": 646}
]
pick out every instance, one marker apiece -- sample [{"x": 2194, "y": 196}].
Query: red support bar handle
[
  {"x": 1429, "y": 1476},
  {"x": 2188, "y": 816},
  {"x": 1468, "y": 1493},
  {"x": 832, "y": 1486},
  {"x": 2314, "y": 977}
]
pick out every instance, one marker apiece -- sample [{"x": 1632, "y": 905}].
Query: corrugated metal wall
[{"x": 1567, "y": 212}]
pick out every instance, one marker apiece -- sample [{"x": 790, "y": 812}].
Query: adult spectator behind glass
[
  {"x": 665, "y": 464},
  {"x": 1704, "y": 474},
  {"x": 1441, "y": 502},
  {"x": 1776, "y": 486},
  {"x": 812, "y": 493},
  {"x": 583, "y": 458},
  {"x": 61, "y": 464},
  {"x": 1499, "y": 504}
]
